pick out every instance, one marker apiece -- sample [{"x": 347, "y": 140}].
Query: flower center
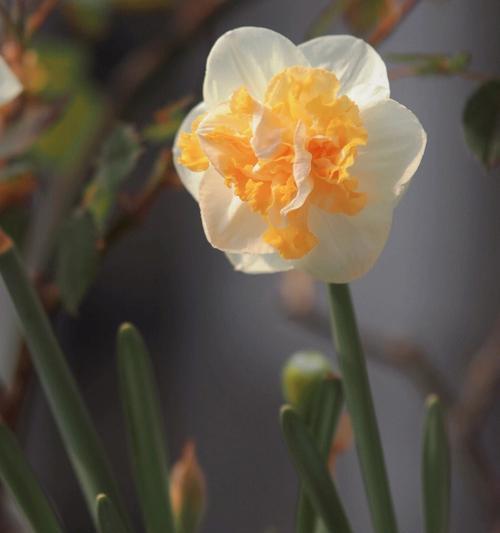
[{"x": 285, "y": 155}]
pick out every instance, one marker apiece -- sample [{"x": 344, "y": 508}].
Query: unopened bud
[
  {"x": 188, "y": 491},
  {"x": 302, "y": 371}
]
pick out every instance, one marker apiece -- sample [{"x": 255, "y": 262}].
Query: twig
[
  {"x": 390, "y": 22},
  {"x": 37, "y": 18}
]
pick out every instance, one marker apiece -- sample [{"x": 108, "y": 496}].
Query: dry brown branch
[{"x": 390, "y": 22}]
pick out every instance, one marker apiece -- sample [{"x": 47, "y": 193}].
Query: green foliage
[
  {"x": 481, "y": 122},
  {"x": 118, "y": 157},
  {"x": 25, "y": 131},
  {"x": 17, "y": 475},
  {"x": 70, "y": 413},
  {"x": 108, "y": 517},
  {"x": 313, "y": 472},
  {"x": 361, "y": 15},
  {"x": 62, "y": 146},
  {"x": 147, "y": 445},
  {"x": 321, "y": 415},
  {"x": 435, "y": 469},
  {"x": 434, "y": 64},
  {"x": 77, "y": 259}
]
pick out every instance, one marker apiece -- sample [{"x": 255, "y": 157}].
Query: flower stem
[
  {"x": 70, "y": 413},
  {"x": 360, "y": 405}
]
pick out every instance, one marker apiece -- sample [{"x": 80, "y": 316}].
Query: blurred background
[{"x": 429, "y": 311}]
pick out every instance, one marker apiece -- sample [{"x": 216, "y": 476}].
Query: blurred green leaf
[
  {"x": 162, "y": 132},
  {"x": 322, "y": 414},
  {"x": 117, "y": 159},
  {"x": 313, "y": 472},
  {"x": 23, "y": 132},
  {"x": 481, "y": 122},
  {"x": 363, "y": 15},
  {"x": 77, "y": 259},
  {"x": 19, "y": 478},
  {"x": 90, "y": 17},
  {"x": 66, "y": 64},
  {"x": 61, "y": 147},
  {"x": 15, "y": 222},
  {"x": 435, "y": 469},
  {"x": 108, "y": 518},
  {"x": 141, "y": 5},
  {"x": 322, "y": 24},
  {"x": 148, "y": 448},
  {"x": 167, "y": 121},
  {"x": 433, "y": 64}
]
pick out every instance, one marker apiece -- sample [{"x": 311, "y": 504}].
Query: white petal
[
  {"x": 259, "y": 263},
  {"x": 267, "y": 132},
  {"x": 348, "y": 245},
  {"x": 301, "y": 169},
  {"x": 10, "y": 86},
  {"x": 229, "y": 224},
  {"x": 191, "y": 180},
  {"x": 396, "y": 144},
  {"x": 360, "y": 69},
  {"x": 247, "y": 57}
]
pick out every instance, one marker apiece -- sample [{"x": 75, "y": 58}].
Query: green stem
[
  {"x": 71, "y": 415},
  {"x": 360, "y": 405}
]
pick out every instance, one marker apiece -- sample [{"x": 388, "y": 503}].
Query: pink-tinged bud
[{"x": 188, "y": 491}]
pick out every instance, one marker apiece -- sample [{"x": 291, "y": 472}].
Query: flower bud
[
  {"x": 302, "y": 371},
  {"x": 188, "y": 491}
]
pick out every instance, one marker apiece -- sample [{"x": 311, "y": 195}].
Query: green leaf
[
  {"x": 362, "y": 15},
  {"x": 24, "y": 132},
  {"x": 108, "y": 518},
  {"x": 433, "y": 64},
  {"x": 20, "y": 480},
  {"x": 77, "y": 259},
  {"x": 482, "y": 123},
  {"x": 118, "y": 157},
  {"x": 435, "y": 469},
  {"x": 313, "y": 472},
  {"x": 321, "y": 416},
  {"x": 90, "y": 17},
  {"x": 75, "y": 426},
  {"x": 66, "y": 65},
  {"x": 147, "y": 444},
  {"x": 324, "y": 21}
]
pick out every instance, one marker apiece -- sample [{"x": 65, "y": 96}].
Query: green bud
[{"x": 301, "y": 372}]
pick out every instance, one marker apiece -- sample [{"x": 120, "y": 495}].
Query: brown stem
[{"x": 390, "y": 22}]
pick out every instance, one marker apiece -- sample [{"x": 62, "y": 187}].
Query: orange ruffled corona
[{"x": 282, "y": 156}]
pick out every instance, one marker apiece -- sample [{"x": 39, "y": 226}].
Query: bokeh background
[{"x": 220, "y": 338}]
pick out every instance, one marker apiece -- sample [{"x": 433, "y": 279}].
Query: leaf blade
[
  {"x": 313, "y": 472},
  {"x": 108, "y": 518},
  {"x": 481, "y": 121},
  {"x": 77, "y": 259},
  {"x": 147, "y": 443},
  {"x": 435, "y": 469},
  {"x": 20, "y": 479}
]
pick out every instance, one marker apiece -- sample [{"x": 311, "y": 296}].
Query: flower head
[{"x": 297, "y": 155}]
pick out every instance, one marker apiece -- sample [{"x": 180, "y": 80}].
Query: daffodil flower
[
  {"x": 9, "y": 84},
  {"x": 297, "y": 156}
]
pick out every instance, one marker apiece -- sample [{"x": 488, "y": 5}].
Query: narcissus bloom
[
  {"x": 9, "y": 84},
  {"x": 297, "y": 155}
]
